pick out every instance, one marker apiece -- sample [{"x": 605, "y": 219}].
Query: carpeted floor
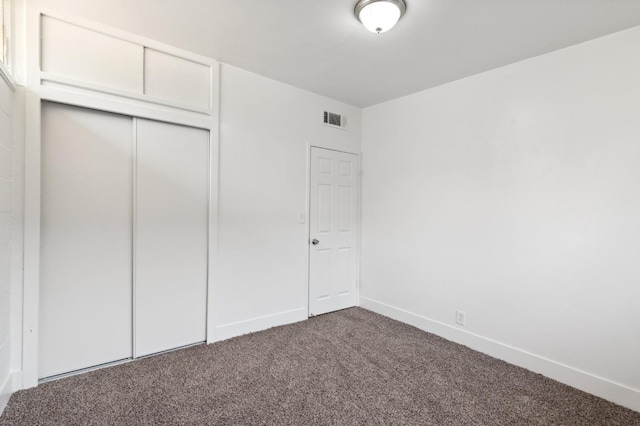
[{"x": 348, "y": 367}]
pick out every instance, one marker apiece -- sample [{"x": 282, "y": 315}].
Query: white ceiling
[{"x": 319, "y": 45}]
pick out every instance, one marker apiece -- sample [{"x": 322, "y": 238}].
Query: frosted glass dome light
[{"x": 379, "y": 16}]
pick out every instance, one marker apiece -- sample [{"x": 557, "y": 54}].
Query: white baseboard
[
  {"x": 227, "y": 331},
  {"x": 606, "y": 389}
]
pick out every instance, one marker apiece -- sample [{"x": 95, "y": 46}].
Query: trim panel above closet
[{"x": 69, "y": 50}]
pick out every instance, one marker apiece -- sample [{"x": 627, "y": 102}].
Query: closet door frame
[{"x": 38, "y": 90}]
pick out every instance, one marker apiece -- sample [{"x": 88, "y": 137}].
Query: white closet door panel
[
  {"x": 86, "y": 233},
  {"x": 177, "y": 79},
  {"x": 91, "y": 57},
  {"x": 171, "y": 236}
]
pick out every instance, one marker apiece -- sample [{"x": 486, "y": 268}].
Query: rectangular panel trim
[
  {"x": 86, "y": 87},
  {"x": 171, "y": 77},
  {"x": 124, "y": 36},
  {"x": 69, "y": 49}
]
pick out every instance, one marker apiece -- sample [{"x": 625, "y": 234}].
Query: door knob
[{"x": 315, "y": 242}]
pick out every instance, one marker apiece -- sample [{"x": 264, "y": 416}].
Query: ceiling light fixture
[{"x": 379, "y": 16}]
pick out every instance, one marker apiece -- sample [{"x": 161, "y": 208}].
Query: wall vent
[{"x": 334, "y": 120}]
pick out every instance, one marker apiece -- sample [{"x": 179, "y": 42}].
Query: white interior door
[
  {"x": 333, "y": 222},
  {"x": 86, "y": 233},
  {"x": 172, "y": 192}
]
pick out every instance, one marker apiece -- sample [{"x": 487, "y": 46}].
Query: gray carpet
[{"x": 348, "y": 367}]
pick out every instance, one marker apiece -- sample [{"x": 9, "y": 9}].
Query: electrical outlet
[{"x": 461, "y": 317}]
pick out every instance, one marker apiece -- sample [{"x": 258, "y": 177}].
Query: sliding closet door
[
  {"x": 172, "y": 187},
  {"x": 86, "y": 234}
]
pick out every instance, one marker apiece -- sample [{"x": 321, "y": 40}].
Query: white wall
[
  {"x": 265, "y": 131},
  {"x": 11, "y": 170},
  {"x": 514, "y": 196}
]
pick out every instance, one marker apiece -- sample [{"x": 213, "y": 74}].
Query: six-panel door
[{"x": 333, "y": 222}]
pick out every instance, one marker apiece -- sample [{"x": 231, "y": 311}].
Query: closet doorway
[{"x": 124, "y": 237}]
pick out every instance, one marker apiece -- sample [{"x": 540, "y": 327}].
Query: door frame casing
[{"x": 310, "y": 147}]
